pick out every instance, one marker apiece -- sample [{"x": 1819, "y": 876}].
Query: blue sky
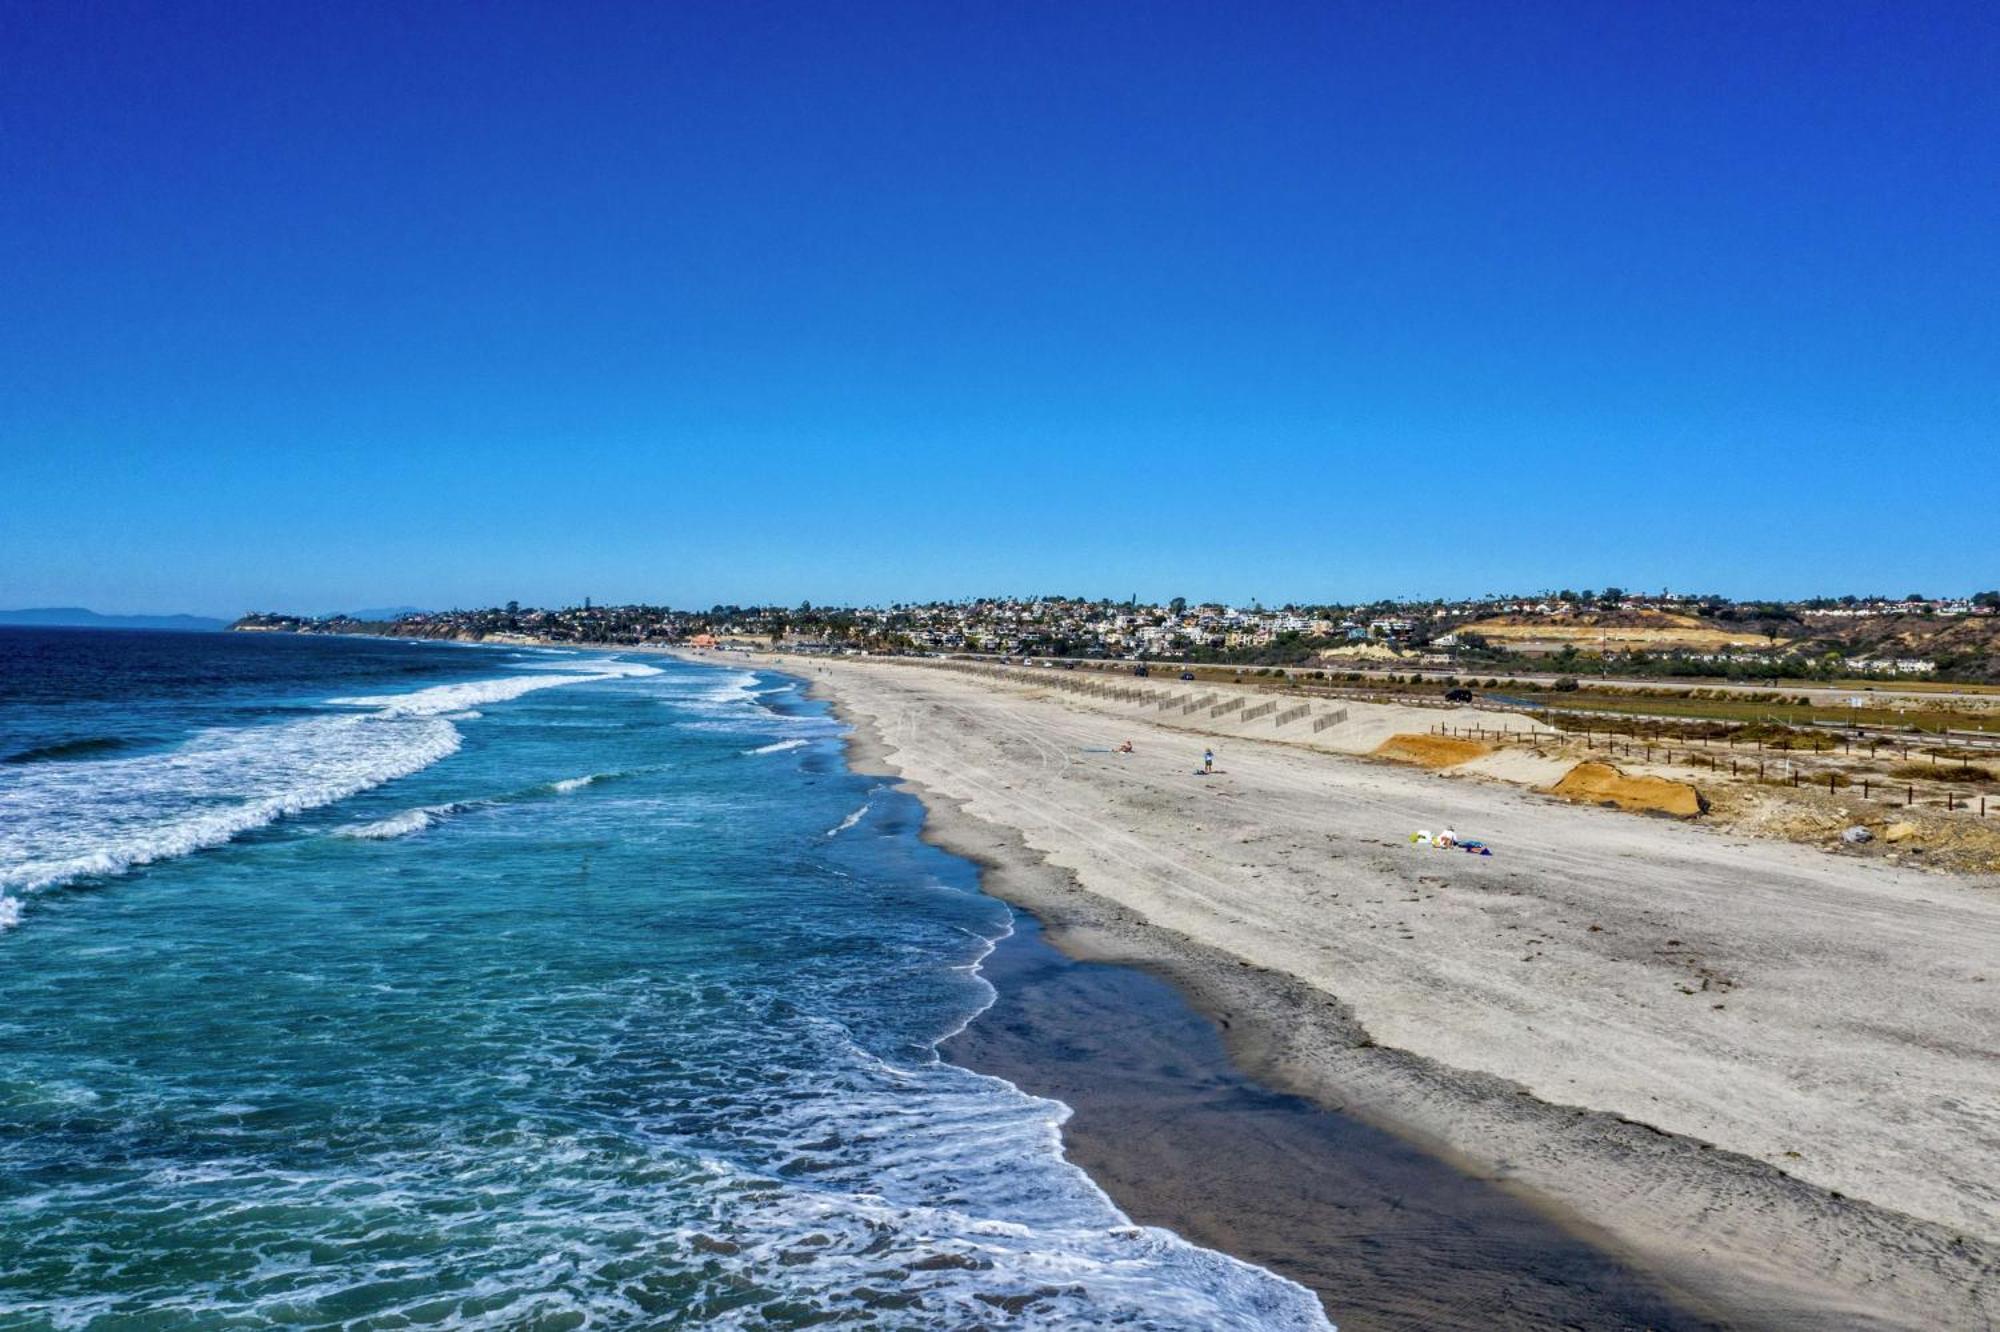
[{"x": 310, "y": 306}]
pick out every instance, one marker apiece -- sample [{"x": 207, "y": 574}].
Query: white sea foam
[
  {"x": 735, "y": 703},
  {"x": 396, "y": 825},
  {"x": 407, "y": 822},
  {"x": 440, "y": 700},
  {"x": 850, "y": 820},
  {"x": 568, "y": 784},
  {"x": 91, "y": 819},
  {"x": 869, "y": 1164},
  {"x": 73, "y": 820},
  {"x": 712, "y": 693}
]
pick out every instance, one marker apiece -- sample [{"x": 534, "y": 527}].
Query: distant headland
[{"x": 76, "y": 617}]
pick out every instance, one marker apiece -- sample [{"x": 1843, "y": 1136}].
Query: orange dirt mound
[
  {"x": 1431, "y": 751},
  {"x": 1602, "y": 784}
]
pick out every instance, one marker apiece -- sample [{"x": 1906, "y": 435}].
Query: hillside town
[{"x": 1636, "y": 633}]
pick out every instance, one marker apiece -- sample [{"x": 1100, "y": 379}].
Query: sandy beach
[{"x": 1761, "y": 1075}]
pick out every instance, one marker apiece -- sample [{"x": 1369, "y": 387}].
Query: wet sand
[{"x": 1388, "y": 1236}]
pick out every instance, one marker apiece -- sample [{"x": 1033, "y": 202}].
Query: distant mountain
[{"x": 76, "y": 617}]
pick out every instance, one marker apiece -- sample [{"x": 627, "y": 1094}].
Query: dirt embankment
[
  {"x": 1602, "y": 784},
  {"x": 1590, "y": 781},
  {"x": 1431, "y": 751}
]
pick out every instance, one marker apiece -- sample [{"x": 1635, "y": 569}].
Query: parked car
[
  {"x": 1141, "y": 670},
  {"x": 1458, "y": 695},
  {"x": 1187, "y": 675}
]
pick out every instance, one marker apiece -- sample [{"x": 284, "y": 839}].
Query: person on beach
[
  {"x": 1125, "y": 748},
  {"x": 1207, "y": 761}
]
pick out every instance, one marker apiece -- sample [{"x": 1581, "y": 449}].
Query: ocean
[{"x": 372, "y": 984}]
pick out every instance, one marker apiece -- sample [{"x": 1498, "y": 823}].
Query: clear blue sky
[{"x": 321, "y": 305}]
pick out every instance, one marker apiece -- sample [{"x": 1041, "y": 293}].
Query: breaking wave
[
  {"x": 81, "y": 820},
  {"x": 407, "y": 822},
  {"x": 440, "y": 700},
  {"x": 69, "y": 749},
  {"x": 779, "y": 746},
  {"x": 851, "y": 819},
  {"x": 70, "y": 820}
]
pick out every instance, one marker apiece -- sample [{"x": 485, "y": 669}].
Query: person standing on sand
[{"x": 1208, "y": 760}]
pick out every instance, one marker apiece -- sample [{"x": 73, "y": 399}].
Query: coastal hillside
[
  {"x": 1952, "y": 637},
  {"x": 1918, "y": 637},
  {"x": 1618, "y": 630}
]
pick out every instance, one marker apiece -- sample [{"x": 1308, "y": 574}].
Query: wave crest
[
  {"x": 851, "y": 819},
  {"x": 69, "y": 749},
  {"x": 94, "y": 819},
  {"x": 407, "y": 822},
  {"x": 440, "y": 700}
]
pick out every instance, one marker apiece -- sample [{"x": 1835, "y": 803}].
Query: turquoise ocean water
[{"x": 367, "y": 984}]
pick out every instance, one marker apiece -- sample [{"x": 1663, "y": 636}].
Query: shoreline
[
  {"x": 1166, "y": 1124},
  {"x": 1474, "y": 1253},
  {"x": 1724, "y": 1236}
]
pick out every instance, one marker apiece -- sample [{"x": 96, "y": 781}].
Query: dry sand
[{"x": 1765, "y": 1075}]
